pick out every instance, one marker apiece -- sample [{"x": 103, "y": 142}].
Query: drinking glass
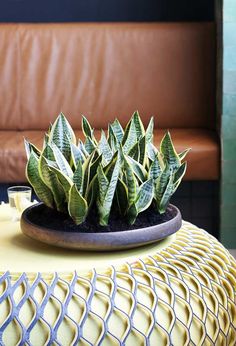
[{"x": 19, "y": 198}]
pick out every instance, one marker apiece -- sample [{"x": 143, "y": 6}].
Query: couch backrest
[{"x": 107, "y": 70}]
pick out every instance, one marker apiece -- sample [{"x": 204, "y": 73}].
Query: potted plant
[{"x": 103, "y": 194}]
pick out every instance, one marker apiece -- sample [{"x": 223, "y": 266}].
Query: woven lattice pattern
[{"x": 183, "y": 295}]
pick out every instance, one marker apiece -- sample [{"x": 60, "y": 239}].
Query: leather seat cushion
[{"x": 203, "y": 160}]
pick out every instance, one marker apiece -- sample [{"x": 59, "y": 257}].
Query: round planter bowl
[{"x": 99, "y": 241}]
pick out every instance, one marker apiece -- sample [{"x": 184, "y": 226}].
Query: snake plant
[{"x": 122, "y": 170}]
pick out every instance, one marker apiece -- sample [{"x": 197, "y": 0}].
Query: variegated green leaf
[
  {"x": 78, "y": 177},
  {"x": 105, "y": 149},
  {"x": 62, "y": 135},
  {"x": 87, "y": 129},
  {"x": 32, "y": 174},
  {"x": 138, "y": 169},
  {"x": 155, "y": 169},
  {"x": 161, "y": 183},
  {"x": 143, "y": 200},
  {"x": 135, "y": 152},
  {"x": 65, "y": 181},
  {"x": 103, "y": 183},
  {"x": 31, "y": 147},
  {"x": 50, "y": 179},
  {"x": 77, "y": 206},
  {"x": 183, "y": 154},
  {"x": 130, "y": 137},
  {"x": 122, "y": 197},
  {"x": 87, "y": 173},
  {"x": 142, "y": 151},
  {"x": 169, "y": 153},
  {"x": 163, "y": 202},
  {"x": 82, "y": 148},
  {"x": 178, "y": 175},
  {"x": 140, "y": 131},
  {"x": 149, "y": 131},
  {"x": 131, "y": 181},
  {"x": 89, "y": 145},
  {"x": 112, "y": 140},
  {"x": 151, "y": 151},
  {"x": 61, "y": 161},
  {"x": 104, "y": 207},
  {"x": 118, "y": 130},
  {"x": 76, "y": 155}
]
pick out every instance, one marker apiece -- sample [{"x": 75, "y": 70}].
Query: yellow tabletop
[{"x": 19, "y": 253}]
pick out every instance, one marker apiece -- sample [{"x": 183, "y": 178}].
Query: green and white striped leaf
[
  {"x": 112, "y": 140},
  {"x": 130, "y": 137},
  {"x": 61, "y": 161},
  {"x": 122, "y": 197},
  {"x": 118, "y": 130},
  {"x": 104, "y": 206},
  {"x": 50, "y": 179},
  {"x": 151, "y": 151},
  {"x": 169, "y": 153},
  {"x": 140, "y": 131},
  {"x": 155, "y": 169},
  {"x": 76, "y": 155},
  {"x": 161, "y": 183},
  {"x": 131, "y": 181},
  {"x": 62, "y": 135},
  {"x": 105, "y": 149},
  {"x": 143, "y": 200},
  {"x": 135, "y": 152},
  {"x": 103, "y": 183},
  {"x": 82, "y": 148},
  {"x": 142, "y": 151},
  {"x": 40, "y": 188},
  {"x": 139, "y": 171},
  {"x": 183, "y": 154},
  {"x": 77, "y": 206},
  {"x": 31, "y": 147},
  {"x": 149, "y": 131},
  {"x": 86, "y": 128},
  {"x": 163, "y": 202},
  {"x": 89, "y": 145},
  {"x": 78, "y": 177},
  {"x": 65, "y": 181},
  {"x": 178, "y": 175}
]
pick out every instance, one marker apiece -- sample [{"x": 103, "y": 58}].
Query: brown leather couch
[{"x": 106, "y": 71}]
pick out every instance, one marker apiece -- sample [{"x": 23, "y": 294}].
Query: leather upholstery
[
  {"x": 105, "y": 70},
  {"x": 203, "y": 160}
]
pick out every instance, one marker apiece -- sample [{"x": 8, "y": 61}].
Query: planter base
[{"x": 94, "y": 241}]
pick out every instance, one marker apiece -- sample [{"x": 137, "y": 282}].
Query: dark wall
[{"x": 105, "y": 10}]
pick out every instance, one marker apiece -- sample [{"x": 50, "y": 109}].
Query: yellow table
[{"x": 179, "y": 291}]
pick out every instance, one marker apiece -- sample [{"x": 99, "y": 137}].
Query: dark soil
[{"x": 50, "y": 218}]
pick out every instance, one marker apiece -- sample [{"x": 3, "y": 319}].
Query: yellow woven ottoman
[{"x": 179, "y": 291}]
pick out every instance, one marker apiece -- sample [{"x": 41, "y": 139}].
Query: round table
[{"x": 178, "y": 291}]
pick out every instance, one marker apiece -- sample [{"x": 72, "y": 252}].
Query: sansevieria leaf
[
  {"x": 61, "y": 161},
  {"x": 118, "y": 130},
  {"x": 40, "y": 188},
  {"x": 77, "y": 206},
  {"x": 140, "y": 131},
  {"x": 143, "y": 200},
  {"x": 62, "y": 135},
  {"x": 65, "y": 181},
  {"x": 104, "y": 205},
  {"x": 49, "y": 178},
  {"x": 168, "y": 151}
]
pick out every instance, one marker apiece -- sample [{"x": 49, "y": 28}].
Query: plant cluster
[{"x": 122, "y": 170}]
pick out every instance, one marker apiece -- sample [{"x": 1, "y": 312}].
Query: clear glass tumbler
[{"x": 19, "y": 198}]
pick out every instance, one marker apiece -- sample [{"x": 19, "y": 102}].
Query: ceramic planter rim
[{"x": 101, "y": 241}]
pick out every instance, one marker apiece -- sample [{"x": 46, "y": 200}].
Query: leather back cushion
[{"x": 106, "y": 71}]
